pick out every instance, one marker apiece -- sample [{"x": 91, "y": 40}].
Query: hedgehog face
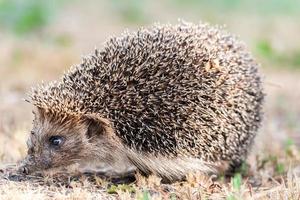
[
  {"x": 54, "y": 142},
  {"x": 57, "y": 141}
]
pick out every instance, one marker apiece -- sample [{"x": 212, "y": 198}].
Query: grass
[
  {"x": 271, "y": 56},
  {"x": 267, "y": 7},
  {"x": 23, "y": 16},
  {"x": 131, "y": 11}
]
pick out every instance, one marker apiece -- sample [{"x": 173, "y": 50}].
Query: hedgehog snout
[
  {"x": 26, "y": 166},
  {"x": 31, "y": 164}
]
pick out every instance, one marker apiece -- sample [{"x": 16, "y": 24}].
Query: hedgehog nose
[
  {"x": 26, "y": 165},
  {"x": 24, "y": 170}
]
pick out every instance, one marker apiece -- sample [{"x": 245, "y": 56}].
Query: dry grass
[{"x": 265, "y": 183}]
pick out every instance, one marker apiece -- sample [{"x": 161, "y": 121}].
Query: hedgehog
[{"x": 166, "y": 100}]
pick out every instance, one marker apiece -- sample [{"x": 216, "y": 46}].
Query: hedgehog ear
[
  {"x": 96, "y": 126},
  {"x": 38, "y": 113}
]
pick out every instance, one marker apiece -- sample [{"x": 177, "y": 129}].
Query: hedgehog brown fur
[{"x": 185, "y": 93}]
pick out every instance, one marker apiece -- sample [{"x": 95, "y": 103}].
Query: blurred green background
[
  {"x": 270, "y": 27},
  {"x": 40, "y": 39}
]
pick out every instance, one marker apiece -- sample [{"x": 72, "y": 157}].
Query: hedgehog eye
[{"x": 56, "y": 141}]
